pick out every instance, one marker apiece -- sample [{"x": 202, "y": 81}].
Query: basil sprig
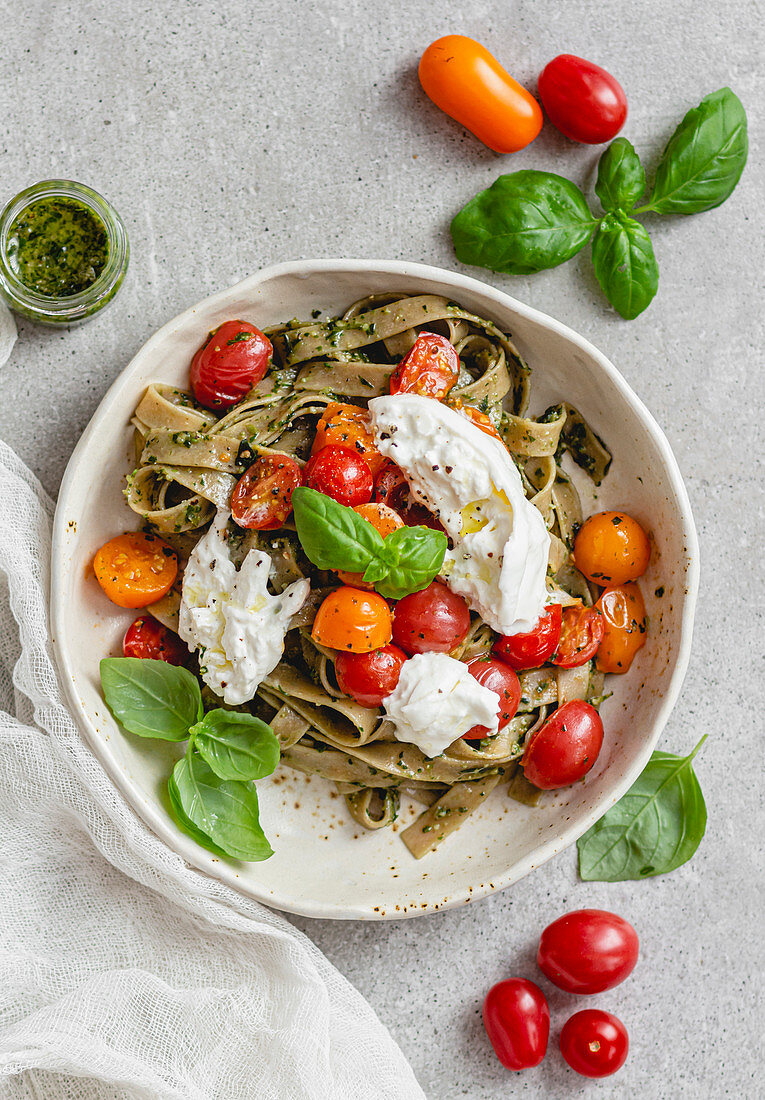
[
  {"x": 528, "y": 221},
  {"x": 335, "y": 537},
  {"x": 655, "y": 828},
  {"x": 211, "y": 792}
]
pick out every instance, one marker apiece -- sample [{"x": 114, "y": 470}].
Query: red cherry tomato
[
  {"x": 496, "y": 676},
  {"x": 434, "y": 620},
  {"x": 370, "y": 677},
  {"x": 262, "y": 497},
  {"x": 391, "y": 487},
  {"x": 470, "y": 85},
  {"x": 588, "y": 951},
  {"x": 594, "y": 1043},
  {"x": 581, "y": 634},
  {"x": 234, "y": 358},
  {"x": 147, "y": 638},
  {"x": 517, "y": 1020},
  {"x": 531, "y": 650},
  {"x": 430, "y": 369},
  {"x": 565, "y": 748},
  {"x": 582, "y": 100},
  {"x": 340, "y": 473}
]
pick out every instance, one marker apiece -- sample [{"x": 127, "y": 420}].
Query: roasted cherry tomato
[
  {"x": 417, "y": 515},
  {"x": 465, "y": 81},
  {"x": 370, "y": 677},
  {"x": 500, "y": 679},
  {"x": 136, "y": 569},
  {"x": 262, "y": 497},
  {"x": 533, "y": 649},
  {"x": 624, "y": 627},
  {"x": 430, "y": 369},
  {"x": 385, "y": 521},
  {"x": 480, "y": 419},
  {"x": 580, "y": 636},
  {"x": 234, "y": 358},
  {"x": 594, "y": 1043},
  {"x": 352, "y": 619},
  {"x": 348, "y": 426},
  {"x": 147, "y": 638},
  {"x": 611, "y": 548},
  {"x": 391, "y": 487},
  {"x": 340, "y": 473},
  {"x": 588, "y": 951},
  {"x": 517, "y": 1020},
  {"x": 565, "y": 748},
  {"x": 434, "y": 620},
  {"x": 582, "y": 100}
]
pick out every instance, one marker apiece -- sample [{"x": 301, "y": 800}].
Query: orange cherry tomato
[
  {"x": 611, "y": 548},
  {"x": 385, "y": 521},
  {"x": 470, "y": 85},
  {"x": 347, "y": 426},
  {"x": 135, "y": 569},
  {"x": 353, "y": 620},
  {"x": 481, "y": 420},
  {"x": 430, "y": 369},
  {"x": 624, "y": 627}
]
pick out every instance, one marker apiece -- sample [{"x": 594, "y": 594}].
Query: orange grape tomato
[
  {"x": 347, "y": 426},
  {"x": 353, "y": 620},
  {"x": 470, "y": 85},
  {"x": 135, "y": 569},
  {"x": 611, "y": 548},
  {"x": 480, "y": 419},
  {"x": 624, "y": 627},
  {"x": 385, "y": 521}
]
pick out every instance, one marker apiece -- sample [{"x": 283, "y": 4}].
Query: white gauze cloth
[{"x": 123, "y": 972}]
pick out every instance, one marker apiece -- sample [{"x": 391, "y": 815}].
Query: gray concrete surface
[{"x": 234, "y": 134}]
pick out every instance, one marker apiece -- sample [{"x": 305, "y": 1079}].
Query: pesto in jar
[{"x": 57, "y": 247}]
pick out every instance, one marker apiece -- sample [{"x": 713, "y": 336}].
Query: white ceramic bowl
[{"x": 324, "y": 865}]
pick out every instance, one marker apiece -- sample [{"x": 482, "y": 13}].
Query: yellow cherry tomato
[
  {"x": 135, "y": 569},
  {"x": 611, "y": 548},
  {"x": 470, "y": 85},
  {"x": 353, "y": 620},
  {"x": 385, "y": 521},
  {"x": 624, "y": 627}
]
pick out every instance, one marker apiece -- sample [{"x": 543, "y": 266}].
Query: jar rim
[{"x": 71, "y": 306}]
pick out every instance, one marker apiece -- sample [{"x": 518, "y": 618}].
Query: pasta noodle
[{"x": 188, "y": 461}]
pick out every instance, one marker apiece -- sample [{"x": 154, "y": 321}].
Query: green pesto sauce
[{"x": 58, "y": 247}]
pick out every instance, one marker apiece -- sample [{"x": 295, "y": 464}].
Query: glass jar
[{"x": 68, "y": 308}]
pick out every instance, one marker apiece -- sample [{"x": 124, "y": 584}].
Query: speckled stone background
[{"x": 234, "y": 134}]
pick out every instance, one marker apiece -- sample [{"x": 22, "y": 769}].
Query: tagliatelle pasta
[{"x": 188, "y": 462}]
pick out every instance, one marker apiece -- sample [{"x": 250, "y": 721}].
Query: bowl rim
[{"x": 150, "y": 813}]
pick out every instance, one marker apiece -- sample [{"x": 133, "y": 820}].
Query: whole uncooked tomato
[
  {"x": 588, "y": 951},
  {"x": 582, "y": 100}
]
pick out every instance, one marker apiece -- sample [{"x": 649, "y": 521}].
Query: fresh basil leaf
[
  {"x": 704, "y": 158},
  {"x": 151, "y": 698},
  {"x": 625, "y": 265},
  {"x": 225, "y": 810},
  {"x": 377, "y": 569},
  {"x": 653, "y": 829},
  {"x": 621, "y": 176},
  {"x": 236, "y": 745},
  {"x": 524, "y": 222},
  {"x": 419, "y": 554},
  {"x": 333, "y": 536},
  {"x": 176, "y": 812}
]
